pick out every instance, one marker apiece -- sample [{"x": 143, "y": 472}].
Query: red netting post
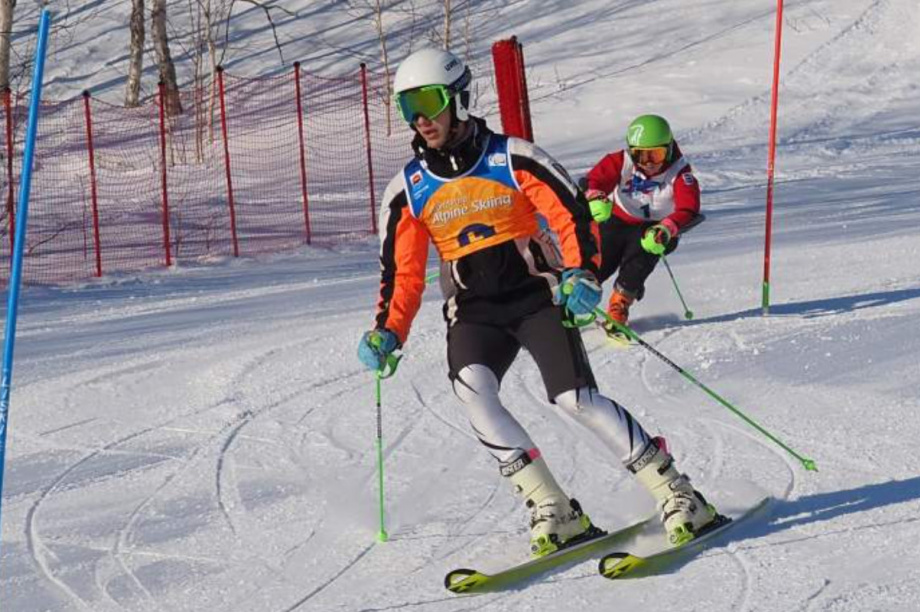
[
  {"x": 367, "y": 138},
  {"x": 303, "y": 154},
  {"x": 10, "y": 208},
  {"x": 223, "y": 129},
  {"x": 511, "y": 82},
  {"x": 162, "y": 100},
  {"x": 92, "y": 180}
]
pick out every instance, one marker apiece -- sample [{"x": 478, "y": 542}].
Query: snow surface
[{"x": 202, "y": 438}]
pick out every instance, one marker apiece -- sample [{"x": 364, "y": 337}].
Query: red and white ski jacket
[{"x": 671, "y": 197}]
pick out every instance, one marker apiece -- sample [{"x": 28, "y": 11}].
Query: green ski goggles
[{"x": 428, "y": 101}]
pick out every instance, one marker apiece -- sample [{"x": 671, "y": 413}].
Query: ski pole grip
[{"x": 389, "y": 367}]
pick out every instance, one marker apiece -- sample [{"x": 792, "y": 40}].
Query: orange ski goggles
[{"x": 649, "y": 155}]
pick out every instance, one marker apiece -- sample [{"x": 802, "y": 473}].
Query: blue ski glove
[
  {"x": 375, "y": 347},
  {"x": 656, "y": 239},
  {"x": 578, "y": 291}
]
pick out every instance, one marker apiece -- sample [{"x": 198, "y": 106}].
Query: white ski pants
[{"x": 477, "y": 387}]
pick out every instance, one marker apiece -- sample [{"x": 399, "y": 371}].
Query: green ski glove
[
  {"x": 656, "y": 239},
  {"x": 600, "y": 209}
]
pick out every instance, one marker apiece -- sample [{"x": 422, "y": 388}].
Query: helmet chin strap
[
  {"x": 461, "y": 102},
  {"x": 459, "y": 107},
  {"x": 458, "y": 116}
]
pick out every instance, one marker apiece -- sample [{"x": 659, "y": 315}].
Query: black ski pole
[{"x": 688, "y": 314}]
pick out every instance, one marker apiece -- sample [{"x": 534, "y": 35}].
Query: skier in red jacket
[{"x": 641, "y": 197}]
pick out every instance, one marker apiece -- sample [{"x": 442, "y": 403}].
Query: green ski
[
  {"x": 615, "y": 338},
  {"x": 472, "y": 581},
  {"x": 619, "y": 565}
]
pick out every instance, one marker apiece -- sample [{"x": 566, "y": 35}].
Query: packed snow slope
[{"x": 202, "y": 438}]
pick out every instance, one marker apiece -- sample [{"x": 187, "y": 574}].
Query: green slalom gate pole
[
  {"x": 688, "y": 314},
  {"x": 808, "y": 464}
]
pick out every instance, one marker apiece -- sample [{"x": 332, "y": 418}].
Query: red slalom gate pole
[
  {"x": 303, "y": 154},
  {"x": 223, "y": 128},
  {"x": 92, "y": 180},
  {"x": 511, "y": 83},
  {"x": 165, "y": 192},
  {"x": 771, "y": 157},
  {"x": 367, "y": 137}
]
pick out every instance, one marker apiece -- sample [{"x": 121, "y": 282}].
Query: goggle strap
[{"x": 461, "y": 83}]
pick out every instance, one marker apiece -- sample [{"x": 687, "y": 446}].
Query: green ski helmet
[{"x": 648, "y": 132}]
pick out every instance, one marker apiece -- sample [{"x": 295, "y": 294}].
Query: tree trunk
[
  {"x": 165, "y": 64},
  {"x": 6, "y": 25},
  {"x": 212, "y": 24},
  {"x": 447, "y": 25},
  {"x": 136, "y": 54},
  {"x": 384, "y": 56}
]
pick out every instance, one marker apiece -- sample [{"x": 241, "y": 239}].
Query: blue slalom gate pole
[{"x": 19, "y": 246}]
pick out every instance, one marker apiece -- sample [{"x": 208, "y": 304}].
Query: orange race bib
[{"x": 482, "y": 208}]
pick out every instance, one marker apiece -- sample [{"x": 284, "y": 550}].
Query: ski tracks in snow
[
  {"x": 43, "y": 556},
  {"x": 214, "y": 447},
  {"x": 714, "y": 450}
]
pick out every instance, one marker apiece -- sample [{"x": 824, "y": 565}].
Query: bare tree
[
  {"x": 385, "y": 59},
  {"x": 211, "y": 23},
  {"x": 6, "y": 25},
  {"x": 202, "y": 52},
  {"x": 167, "y": 68},
  {"x": 199, "y": 14},
  {"x": 467, "y": 31},
  {"x": 136, "y": 54},
  {"x": 375, "y": 9},
  {"x": 447, "y": 24},
  {"x": 212, "y": 19},
  {"x": 267, "y": 9}
]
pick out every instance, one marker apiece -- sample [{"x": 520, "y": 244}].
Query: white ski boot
[
  {"x": 684, "y": 511},
  {"x": 555, "y": 520}
]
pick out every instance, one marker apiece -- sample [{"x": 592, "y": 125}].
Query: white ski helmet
[{"x": 430, "y": 66}]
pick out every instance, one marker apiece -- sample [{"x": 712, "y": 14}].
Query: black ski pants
[
  {"x": 557, "y": 350},
  {"x": 621, "y": 250}
]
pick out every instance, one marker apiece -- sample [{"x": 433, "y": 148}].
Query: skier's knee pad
[
  {"x": 475, "y": 383},
  {"x": 477, "y": 387},
  {"x": 580, "y": 402},
  {"x": 611, "y": 422},
  {"x": 590, "y": 407}
]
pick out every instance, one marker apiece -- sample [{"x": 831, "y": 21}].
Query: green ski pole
[
  {"x": 808, "y": 464},
  {"x": 382, "y": 534},
  {"x": 388, "y": 370},
  {"x": 688, "y": 314}
]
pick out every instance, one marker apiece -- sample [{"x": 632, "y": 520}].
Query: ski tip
[
  {"x": 462, "y": 580},
  {"x": 616, "y": 564},
  {"x": 618, "y": 340}
]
